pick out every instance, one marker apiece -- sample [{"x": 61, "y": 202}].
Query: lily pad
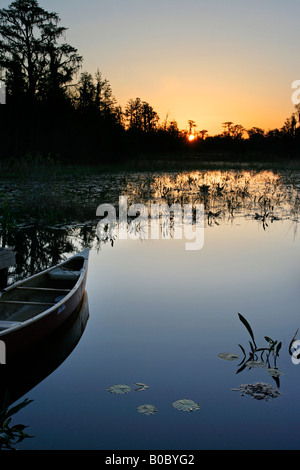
[
  {"x": 119, "y": 389},
  {"x": 147, "y": 409},
  {"x": 141, "y": 386},
  {"x": 274, "y": 372},
  {"x": 228, "y": 356},
  {"x": 186, "y": 405},
  {"x": 259, "y": 391},
  {"x": 256, "y": 364}
]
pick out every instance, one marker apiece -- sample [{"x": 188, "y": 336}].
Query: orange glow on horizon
[{"x": 191, "y": 137}]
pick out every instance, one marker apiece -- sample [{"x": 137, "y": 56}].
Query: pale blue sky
[{"x": 210, "y": 61}]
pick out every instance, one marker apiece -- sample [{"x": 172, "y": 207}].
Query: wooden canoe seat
[{"x": 43, "y": 289}]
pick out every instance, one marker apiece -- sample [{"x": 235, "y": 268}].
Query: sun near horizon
[{"x": 207, "y": 61}]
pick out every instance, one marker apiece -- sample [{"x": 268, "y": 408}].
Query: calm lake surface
[{"x": 158, "y": 314}]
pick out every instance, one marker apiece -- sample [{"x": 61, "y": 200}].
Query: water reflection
[
  {"x": 38, "y": 248},
  {"x": 26, "y": 372},
  {"x": 41, "y": 240},
  {"x": 171, "y": 307},
  {"x": 10, "y": 436},
  {"x": 230, "y": 192},
  {"x": 260, "y": 357}
]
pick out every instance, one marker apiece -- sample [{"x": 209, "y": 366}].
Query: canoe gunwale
[{"x": 22, "y": 324}]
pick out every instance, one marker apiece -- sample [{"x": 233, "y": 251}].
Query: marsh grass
[
  {"x": 44, "y": 215},
  {"x": 266, "y": 196},
  {"x": 44, "y": 197},
  {"x": 30, "y": 165}
]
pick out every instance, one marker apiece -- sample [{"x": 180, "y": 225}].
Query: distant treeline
[{"x": 54, "y": 110}]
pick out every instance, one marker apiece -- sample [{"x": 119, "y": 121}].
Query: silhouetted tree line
[
  {"x": 53, "y": 110},
  {"x": 235, "y": 139}
]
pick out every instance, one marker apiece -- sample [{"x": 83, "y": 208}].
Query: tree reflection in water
[{"x": 39, "y": 240}]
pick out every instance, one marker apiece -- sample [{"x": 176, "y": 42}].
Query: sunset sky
[{"x": 206, "y": 60}]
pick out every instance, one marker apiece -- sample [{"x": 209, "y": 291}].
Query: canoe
[
  {"x": 33, "y": 366},
  {"x": 33, "y": 308}
]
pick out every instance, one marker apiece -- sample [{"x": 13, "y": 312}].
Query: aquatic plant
[
  {"x": 274, "y": 372},
  {"x": 147, "y": 409},
  {"x": 11, "y": 435},
  {"x": 141, "y": 387},
  {"x": 244, "y": 321},
  {"x": 258, "y": 391},
  {"x": 255, "y": 364},
  {"x": 258, "y": 357},
  {"x": 261, "y": 357},
  {"x": 119, "y": 389},
  {"x": 186, "y": 405},
  {"x": 228, "y": 356}
]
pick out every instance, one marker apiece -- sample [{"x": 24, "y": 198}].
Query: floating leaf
[
  {"x": 119, "y": 389},
  {"x": 141, "y": 387},
  {"x": 255, "y": 364},
  {"x": 186, "y": 405},
  {"x": 228, "y": 356},
  {"x": 147, "y": 409},
  {"x": 259, "y": 391},
  {"x": 274, "y": 372}
]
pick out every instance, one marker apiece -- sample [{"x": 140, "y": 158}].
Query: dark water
[{"x": 158, "y": 314}]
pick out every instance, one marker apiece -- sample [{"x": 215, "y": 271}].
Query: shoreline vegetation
[
  {"x": 60, "y": 124},
  {"x": 39, "y": 168},
  {"x": 40, "y": 193},
  {"x": 58, "y": 115},
  {"x": 45, "y": 214}
]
